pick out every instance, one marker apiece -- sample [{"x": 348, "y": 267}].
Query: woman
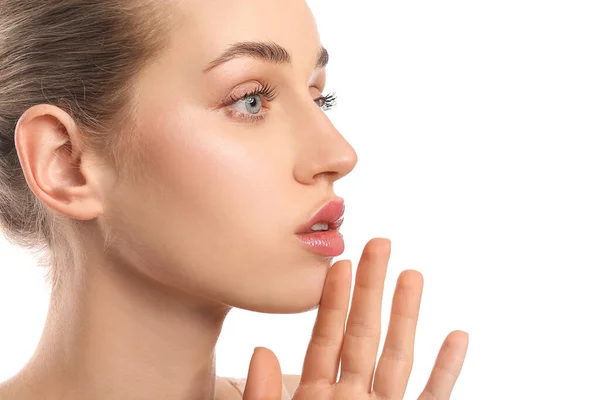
[{"x": 174, "y": 161}]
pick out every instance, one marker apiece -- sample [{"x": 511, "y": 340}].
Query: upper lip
[{"x": 332, "y": 213}]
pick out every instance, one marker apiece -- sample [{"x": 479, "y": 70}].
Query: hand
[{"x": 357, "y": 346}]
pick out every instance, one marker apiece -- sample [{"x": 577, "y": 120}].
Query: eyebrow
[{"x": 267, "y": 51}]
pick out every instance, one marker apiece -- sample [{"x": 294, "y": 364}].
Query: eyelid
[
  {"x": 317, "y": 88},
  {"x": 264, "y": 89}
]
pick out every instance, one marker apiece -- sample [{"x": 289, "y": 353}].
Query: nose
[{"x": 323, "y": 153}]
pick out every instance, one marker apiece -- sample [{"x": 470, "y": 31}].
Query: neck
[{"x": 111, "y": 336}]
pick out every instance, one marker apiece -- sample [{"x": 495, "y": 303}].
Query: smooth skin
[
  {"x": 356, "y": 346},
  {"x": 161, "y": 257}
]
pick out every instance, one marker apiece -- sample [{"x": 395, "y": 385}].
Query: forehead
[{"x": 210, "y": 26}]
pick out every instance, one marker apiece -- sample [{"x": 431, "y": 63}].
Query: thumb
[{"x": 264, "y": 376}]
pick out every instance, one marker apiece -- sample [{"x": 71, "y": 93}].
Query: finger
[
  {"x": 447, "y": 367},
  {"x": 396, "y": 361},
  {"x": 361, "y": 341},
  {"x": 264, "y": 381},
  {"x": 322, "y": 359}
]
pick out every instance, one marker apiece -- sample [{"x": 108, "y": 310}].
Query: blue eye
[{"x": 251, "y": 104}]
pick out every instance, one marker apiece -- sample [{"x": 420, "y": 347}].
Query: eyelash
[
  {"x": 329, "y": 101},
  {"x": 269, "y": 94}
]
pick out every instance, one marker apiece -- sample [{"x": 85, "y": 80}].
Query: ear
[{"x": 56, "y": 168}]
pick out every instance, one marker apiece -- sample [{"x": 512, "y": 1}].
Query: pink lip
[
  {"x": 328, "y": 243},
  {"x": 332, "y": 213}
]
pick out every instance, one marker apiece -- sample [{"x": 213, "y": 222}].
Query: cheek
[
  {"x": 218, "y": 210},
  {"x": 222, "y": 186},
  {"x": 215, "y": 174}
]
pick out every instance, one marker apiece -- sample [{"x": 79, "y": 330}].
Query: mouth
[
  {"x": 329, "y": 217},
  {"x": 321, "y": 232}
]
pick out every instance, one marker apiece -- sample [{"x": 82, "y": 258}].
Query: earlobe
[{"x": 47, "y": 142}]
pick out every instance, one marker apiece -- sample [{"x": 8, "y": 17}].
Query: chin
[
  {"x": 293, "y": 306},
  {"x": 297, "y": 291}
]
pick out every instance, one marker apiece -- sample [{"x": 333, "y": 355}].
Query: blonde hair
[{"x": 81, "y": 56}]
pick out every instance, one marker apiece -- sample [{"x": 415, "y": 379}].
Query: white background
[{"x": 477, "y": 128}]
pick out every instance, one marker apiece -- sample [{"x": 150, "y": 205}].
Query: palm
[{"x": 355, "y": 342}]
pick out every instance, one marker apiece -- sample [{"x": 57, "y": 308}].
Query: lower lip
[{"x": 327, "y": 243}]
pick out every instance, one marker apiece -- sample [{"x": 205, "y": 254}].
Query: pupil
[{"x": 253, "y": 104}]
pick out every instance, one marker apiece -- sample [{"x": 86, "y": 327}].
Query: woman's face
[{"x": 227, "y": 182}]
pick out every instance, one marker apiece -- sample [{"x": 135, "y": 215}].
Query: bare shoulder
[
  {"x": 291, "y": 382},
  {"x": 10, "y": 390},
  {"x": 224, "y": 390}
]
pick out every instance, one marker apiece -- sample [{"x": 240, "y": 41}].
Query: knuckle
[
  {"x": 361, "y": 329},
  {"x": 445, "y": 371},
  {"x": 409, "y": 315},
  {"x": 427, "y": 395},
  {"x": 323, "y": 340},
  {"x": 398, "y": 356}
]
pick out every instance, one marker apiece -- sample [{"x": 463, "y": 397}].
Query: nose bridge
[{"x": 322, "y": 150}]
